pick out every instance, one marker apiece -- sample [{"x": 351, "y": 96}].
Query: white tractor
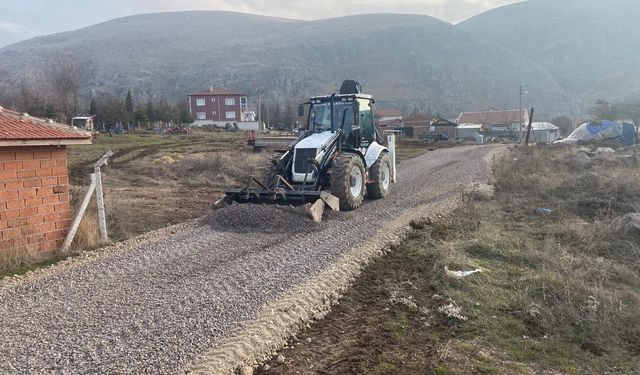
[{"x": 338, "y": 160}]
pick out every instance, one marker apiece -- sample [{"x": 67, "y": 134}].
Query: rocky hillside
[
  {"x": 407, "y": 61},
  {"x": 591, "y": 47}
]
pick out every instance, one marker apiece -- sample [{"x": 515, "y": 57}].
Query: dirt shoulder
[{"x": 558, "y": 292}]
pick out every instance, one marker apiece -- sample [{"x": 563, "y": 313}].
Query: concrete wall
[{"x": 34, "y": 198}]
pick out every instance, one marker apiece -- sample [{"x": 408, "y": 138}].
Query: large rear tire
[
  {"x": 380, "y": 174},
  {"x": 348, "y": 181},
  {"x": 272, "y": 169}
]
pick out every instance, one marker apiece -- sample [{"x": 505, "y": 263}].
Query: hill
[
  {"x": 407, "y": 61},
  {"x": 589, "y": 46}
]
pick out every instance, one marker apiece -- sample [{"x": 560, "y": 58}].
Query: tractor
[{"x": 337, "y": 160}]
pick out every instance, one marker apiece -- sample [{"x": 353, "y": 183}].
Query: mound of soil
[{"x": 260, "y": 218}]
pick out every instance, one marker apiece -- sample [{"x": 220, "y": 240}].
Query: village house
[
  {"x": 495, "y": 123},
  {"x": 444, "y": 128},
  {"x": 35, "y": 213},
  {"x": 384, "y": 115},
  {"x": 418, "y": 123},
  {"x": 217, "y": 107}
]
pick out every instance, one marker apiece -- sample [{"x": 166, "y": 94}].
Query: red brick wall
[
  {"x": 34, "y": 197},
  {"x": 218, "y": 106}
]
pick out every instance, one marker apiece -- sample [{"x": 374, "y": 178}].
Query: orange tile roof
[
  {"x": 492, "y": 117},
  {"x": 16, "y": 126},
  {"x": 388, "y": 113}
]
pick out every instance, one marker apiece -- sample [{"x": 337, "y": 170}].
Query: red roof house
[
  {"x": 494, "y": 117},
  {"x": 35, "y": 214}
]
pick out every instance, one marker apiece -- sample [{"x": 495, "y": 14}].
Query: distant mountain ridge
[
  {"x": 406, "y": 61},
  {"x": 591, "y": 47}
]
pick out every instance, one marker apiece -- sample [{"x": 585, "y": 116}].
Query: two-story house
[{"x": 217, "y": 107}]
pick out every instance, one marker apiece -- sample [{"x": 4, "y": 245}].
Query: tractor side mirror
[{"x": 300, "y": 110}]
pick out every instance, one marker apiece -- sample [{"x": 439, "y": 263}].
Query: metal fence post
[
  {"x": 391, "y": 141},
  {"x": 102, "y": 217}
]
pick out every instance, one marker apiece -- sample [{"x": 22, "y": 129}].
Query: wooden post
[
  {"x": 526, "y": 143},
  {"x": 79, "y": 215}
]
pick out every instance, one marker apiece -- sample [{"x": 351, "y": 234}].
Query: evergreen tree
[
  {"x": 151, "y": 112},
  {"x": 93, "y": 109},
  {"x": 128, "y": 103},
  {"x": 185, "y": 117}
]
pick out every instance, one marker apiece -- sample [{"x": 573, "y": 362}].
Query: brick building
[
  {"x": 34, "y": 183},
  {"x": 217, "y": 107}
]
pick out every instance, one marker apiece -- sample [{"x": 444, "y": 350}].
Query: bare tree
[{"x": 65, "y": 77}]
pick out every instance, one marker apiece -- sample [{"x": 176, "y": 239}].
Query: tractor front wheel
[
  {"x": 348, "y": 181},
  {"x": 380, "y": 174}
]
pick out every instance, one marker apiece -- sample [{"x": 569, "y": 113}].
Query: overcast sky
[{"x": 23, "y": 19}]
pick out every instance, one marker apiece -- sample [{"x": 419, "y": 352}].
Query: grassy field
[{"x": 558, "y": 293}]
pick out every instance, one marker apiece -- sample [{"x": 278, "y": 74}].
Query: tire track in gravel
[{"x": 161, "y": 303}]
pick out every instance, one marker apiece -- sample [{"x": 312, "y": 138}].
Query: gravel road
[{"x": 158, "y": 304}]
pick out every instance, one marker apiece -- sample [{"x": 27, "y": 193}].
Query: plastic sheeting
[{"x": 603, "y": 130}]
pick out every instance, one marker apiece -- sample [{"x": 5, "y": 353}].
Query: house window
[
  {"x": 214, "y": 113},
  {"x": 229, "y": 101},
  {"x": 231, "y": 114},
  {"x": 200, "y": 102},
  {"x": 213, "y": 100},
  {"x": 201, "y": 115},
  {"x": 243, "y": 103}
]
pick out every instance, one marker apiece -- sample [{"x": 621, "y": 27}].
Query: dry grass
[
  {"x": 560, "y": 292},
  {"x": 16, "y": 254},
  {"x": 217, "y": 169}
]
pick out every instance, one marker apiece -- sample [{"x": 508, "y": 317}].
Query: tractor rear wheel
[
  {"x": 272, "y": 169},
  {"x": 348, "y": 181},
  {"x": 380, "y": 174}
]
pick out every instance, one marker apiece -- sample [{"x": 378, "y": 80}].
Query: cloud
[
  {"x": 447, "y": 10},
  {"x": 11, "y": 32}
]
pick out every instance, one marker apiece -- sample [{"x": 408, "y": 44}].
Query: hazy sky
[{"x": 23, "y": 19}]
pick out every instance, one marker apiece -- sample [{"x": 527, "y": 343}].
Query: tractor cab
[{"x": 351, "y": 114}]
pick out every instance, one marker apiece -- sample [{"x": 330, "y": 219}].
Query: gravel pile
[
  {"x": 260, "y": 218},
  {"x": 160, "y": 304}
]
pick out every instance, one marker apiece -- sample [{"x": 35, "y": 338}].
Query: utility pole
[
  {"x": 522, "y": 92},
  {"x": 259, "y": 112}
]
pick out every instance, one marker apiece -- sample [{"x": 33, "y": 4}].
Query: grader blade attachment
[{"x": 282, "y": 192}]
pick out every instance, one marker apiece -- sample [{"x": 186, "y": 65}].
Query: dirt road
[{"x": 176, "y": 298}]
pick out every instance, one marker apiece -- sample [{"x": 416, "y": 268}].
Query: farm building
[
  {"x": 469, "y": 132},
  {"x": 501, "y": 124},
  {"x": 542, "y": 132},
  {"x": 445, "y": 128},
  {"x": 34, "y": 184}
]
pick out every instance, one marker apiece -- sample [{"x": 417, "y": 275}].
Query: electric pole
[{"x": 259, "y": 112}]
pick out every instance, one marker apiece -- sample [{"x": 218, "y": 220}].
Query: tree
[
  {"x": 603, "y": 110},
  {"x": 65, "y": 77},
  {"x": 110, "y": 111},
  {"x": 140, "y": 115},
  {"x": 151, "y": 112},
  {"x": 128, "y": 104},
  {"x": 290, "y": 115},
  {"x": 565, "y": 124},
  {"x": 93, "y": 109}
]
